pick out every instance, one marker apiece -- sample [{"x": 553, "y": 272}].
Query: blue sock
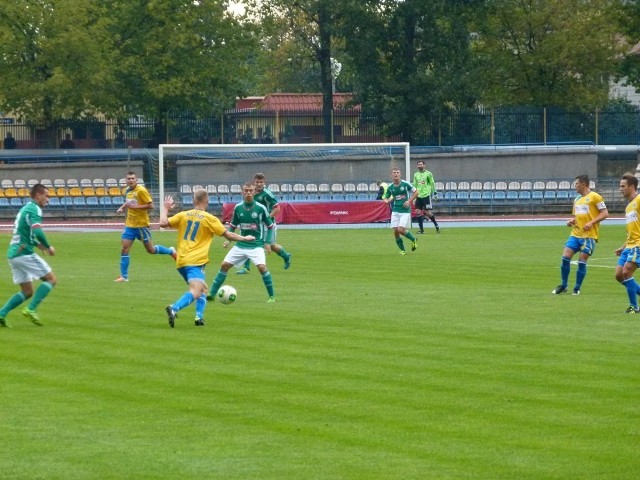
[
  {"x": 201, "y": 303},
  {"x": 184, "y": 301},
  {"x": 268, "y": 282},
  {"x": 160, "y": 250},
  {"x": 12, "y": 303},
  {"x": 124, "y": 265},
  {"x": 632, "y": 287},
  {"x": 582, "y": 272},
  {"x": 565, "y": 268}
]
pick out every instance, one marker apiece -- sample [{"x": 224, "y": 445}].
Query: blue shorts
[
  {"x": 583, "y": 245},
  {"x": 192, "y": 273},
  {"x": 629, "y": 255},
  {"x": 132, "y": 233}
]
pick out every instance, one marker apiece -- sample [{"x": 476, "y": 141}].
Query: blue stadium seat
[
  {"x": 187, "y": 200},
  {"x": 92, "y": 201},
  {"x": 524, "y": 195},
  {"x": 351, "y": 197},
  {"x": 512, "y": 195},
  {"x": 16, "y": 202},
  {"x": 79, "y": 202},
  {"x": 4, "y": 202},
  {"x": 106, "y": 201},
  {"x": 475, "y": 196},
  {"x": 500, "y": 195},
  {"x": 337, "y": 197},
  {"x": 325, "y": 197},
  {"x": 462, "y": 195}
]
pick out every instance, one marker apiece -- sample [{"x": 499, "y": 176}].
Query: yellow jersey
[
  {"x": 586, "y": 208},
  {"x": 196, "y": 229},
  {"x": 137, "y": 218},
  {"x": 633, "y": 223}
]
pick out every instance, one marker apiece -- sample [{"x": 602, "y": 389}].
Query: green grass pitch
[{"x": 452, "y": 362}]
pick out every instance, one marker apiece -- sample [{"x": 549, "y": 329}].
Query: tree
[
  {"x": 548, "y": 52},
  {"x": 69, "y": 58},
  {"x": 312, "y": 24},
  {"x": 629, "y": 19},
  {"x": 412, "y": 61}
]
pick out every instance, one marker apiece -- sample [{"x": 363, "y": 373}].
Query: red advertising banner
[{"x": 325, "y": 212}]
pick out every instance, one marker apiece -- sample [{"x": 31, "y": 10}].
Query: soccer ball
[{"x": 227, "y": 294}]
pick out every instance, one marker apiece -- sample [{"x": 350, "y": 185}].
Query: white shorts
[
  {"x": 28, "y": 268},
  {"x": 400, "y": 219},
  {"x": 237, "y": 256}
]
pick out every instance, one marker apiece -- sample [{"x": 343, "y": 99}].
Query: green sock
[
  {"x": 410, "y": 236},
  {"x": 283, "y": 253},
  {"x": 247, "y": 264},
  {"x": 42, "y": 291},
  {"x": 268, "y": 282},
  {"x": 217, "y": 283},
  {"x": 12, "y": 303},
  {"x": 400, "y": 243}
]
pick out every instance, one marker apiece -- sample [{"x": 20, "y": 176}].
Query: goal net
[{"x": 316, "y": 184}]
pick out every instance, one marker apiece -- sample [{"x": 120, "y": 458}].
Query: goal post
[{"x": 297, "y": 173}]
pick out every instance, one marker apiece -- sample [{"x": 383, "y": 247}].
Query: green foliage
[
  {"x": 441, "y": 363},
  {"x": 540, "y": 53}
]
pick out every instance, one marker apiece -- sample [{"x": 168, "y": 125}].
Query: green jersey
[
  {"x": 252, "y": 219},
  {"x": 27, "y": 231},
  {"x": 424, "y": 183},
  {"x": 400, "y": 193},
  {"x": 266, "y": 198}
]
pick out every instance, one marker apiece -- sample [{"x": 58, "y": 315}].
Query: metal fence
[{"x": 480, "y": 126}]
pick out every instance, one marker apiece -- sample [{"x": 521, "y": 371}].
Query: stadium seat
[
  {"x": 66, "y": 201},
  {"x": 197, "y": 187},
  {"x": 526, "y": 185},
  {"x": 98, "y": 182},
  {"x": 235, "y": 188},
  {"x": 313, "y": 197},
  {"x": 211, "y": 189},
  {"x": 475, "y": 196},
  {"x": 362, "y": 187},
  {"x": 487, "y": 195},
  {"x": 11, "y": 192},
  {"x": 185, "y": 189},
  {"x": 117, "y": 201},
  {"x": 15, "y": 202},
  {"x": 538, "y": 185},
  {"x": 75, "y": 192},
  {"x": 24, "y": 192},
  {"x": 298, "y": 188},
  {"x": 564, "y": 185},
  {"x": 236, "y": 198},
  {"x": 351, "y": 197},
  {"x": 451, "y": 186},
  {"x": 488, "y": 186},
  {"x": 105, "y": 201},
  {"x": 462, "y": 195},
  {"x": 450, "y": 195},
  {"x": 223, "y": 189},
  {"x": 463, "y": 186},
  {"x": 274, "y": 187},
  {"x": 187, "y": 200},
  {"x": 88, "y": 192},
  {"x": 85, "y": 182},
  {"x": 54, "y": 202},
  {"x": 6, "y": 183},
  {"x": 286, "y": 188},
  {"x": 549, "y": 195},
  {"x": 115, "y": 191},
  {"x": 214, "y": 200},
  {"x": 72, "y": 182},
  {"x": 537, "y": 195},
  {"x": 92, "y": 201},
  {"x": 501, "y": 186},
  {"x": 79, "y": 202},
  {"x": 475, "y": 186},
  {"x": 324, "y": 188},
  {"x": 101, "y": 191},
  {"x": 439, "y": 186},
  {"x": 46, "y": 182},
  {"x": 514, "y": 185},
  {"x": 551, "y": 185},
  {"x": 349, "y": 187},
  {"x": 111, "y": 182},
  {"x": 524, "y": 195},
  {"x": 4, "y": 202},
  {"x": 512, "y": 195},
  {"x": 32, "y": 181},
  {"x": 325, "y": 197},
  {"x": 337, "y": 188},
  {"x": 224, "y": 198},
  {"x": 337, "y": 197},
  {"x": 299, "y": 197},
  {"x": 311, "y": 188},
  {"x": 19, "y": 183},
  {"x": 564, "y": 194}
]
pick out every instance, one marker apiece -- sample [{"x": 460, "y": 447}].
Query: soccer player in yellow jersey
[
  {"x": 589, "y": 210},
  {"x": 137, "y": 203},
  {"x": 196, "y": 229},
  {"x": 630, "y": 252}
]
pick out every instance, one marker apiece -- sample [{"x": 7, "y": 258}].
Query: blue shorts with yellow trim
[
  {"x": 629, "y": 255},
  {"x": 583, "y": 245},
  {"x": 141, "y": 233},
  {"x": 192, "y": 273}
]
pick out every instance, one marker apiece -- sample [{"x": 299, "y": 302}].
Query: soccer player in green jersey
[
  {"x": 629, "y": 253},
  {"x": 252, "y": 218},
  {"x": 266, "y": 197},
  {"x": 25, "y": 264},
  {"x": 426, "y": 186},
  {"x": 589, "y": 210},
  {"x": 196, "y": 229},
  {"x": 401, "y": 193}
]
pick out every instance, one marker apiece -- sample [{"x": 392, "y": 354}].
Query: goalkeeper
[{"x": 423, "y": 182}]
